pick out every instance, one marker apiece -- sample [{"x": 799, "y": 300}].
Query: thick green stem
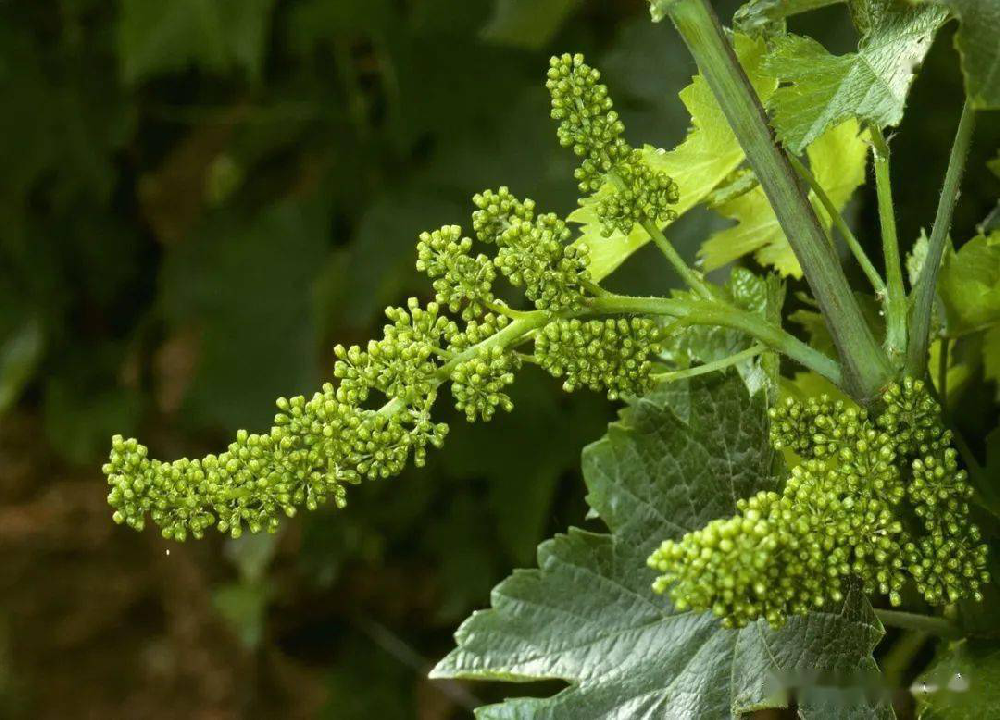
[
  {"x": 866, "y": 368},
  {"x": 878, "y": 285},
  {"x": 923, "y": 294},
  {"x": 895, "y": 306},
  {"x": 922, "y": 623},
  {"x": 696, "y": 312}
]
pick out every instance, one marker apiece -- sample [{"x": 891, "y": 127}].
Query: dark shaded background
[{"x": 198, "y": 198}]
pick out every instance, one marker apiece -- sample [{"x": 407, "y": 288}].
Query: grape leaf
[
  {"x": 820, "y": 90},
  {"x": 969, "y": 292},
  {"x": 708, "y": 154},
  {"x": 528, "y": 24},
  {"x": 676, "y": 459},
  {"x": 20, "y": 354},
  {"x": 969, "y": 285},
  {"x": 838, "y": 163},
  {"x": 762, "y": 296},
  {"x": 991, "y": 353},
  {"x": 767, "y": 17},
  {"x": 978, "y": 43},
  {"x": 963, "y": 682},
  {"x": 217, "y": 35}
]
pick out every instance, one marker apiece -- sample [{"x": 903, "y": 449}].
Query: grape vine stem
[
  {"x": 866, "y": 367},
  {"x": 686, "y": 312},
  {"x": 877, "y": 283},
  {"x": 923, "y": 302},
  {"x": 895, "y": 306}
]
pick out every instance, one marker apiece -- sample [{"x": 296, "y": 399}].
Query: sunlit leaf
[{"x": 821, "y": 90}]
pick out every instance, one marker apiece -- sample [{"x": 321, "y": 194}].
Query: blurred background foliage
[{"x": 198, "y": 198}]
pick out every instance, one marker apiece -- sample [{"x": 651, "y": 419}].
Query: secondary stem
[
  {"x": 696, "y": 312},
  {"x": 878, "y": 285},
  {"x": 693, "y": 279},
  {"x": 923, "y": 304},
  {"x": 922, "y": 623},
  {"x": 866, "y": 368},
  {"x": 895, "y": 307},
  {"x": 711, "y": 367}
]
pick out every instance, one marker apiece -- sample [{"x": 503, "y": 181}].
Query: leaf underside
[
  {"x": 676, "y": 459},
  {"x": 820, "y": 90}
]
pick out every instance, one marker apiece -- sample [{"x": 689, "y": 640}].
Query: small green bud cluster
[
  {"x": 477, "y": 331},
  {"x": 534, "y": 251},
  {"x": 400, "y": 365},
  {"x": 844, "y": 516},
  {"x": 640, "y": 193},
  {"x": 459, "y": 278},
  {"x": 613, "y": 355},
  {"x": 314, "y": 449},
  {"x": 587, "y": 120},
  {"x": 539, "y": 256},
  {"x": 811, "y": 429},
  {"x": 477, "y": 384},
  {"x": 633, "y": 192},
  {"x": 911, "y": 416},
  {"x": 496, "y": 211}
]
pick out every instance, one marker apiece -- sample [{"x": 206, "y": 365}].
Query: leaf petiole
[
  {"x": 895, "y": 306},
  {"x": 923, "y": 293},
  {"x": 711, "y": 367}
]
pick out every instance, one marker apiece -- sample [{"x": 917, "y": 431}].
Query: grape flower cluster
[
  {"x": 628, "y": 191},
  {"x": 877, "y": 500},
  {"x": 377, "y": 416}
]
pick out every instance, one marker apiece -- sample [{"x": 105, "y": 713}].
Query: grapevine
[{"x": 861, "y": 495}]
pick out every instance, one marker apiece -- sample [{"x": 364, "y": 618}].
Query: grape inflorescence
[
  {"x": 877, "y": 500},
  {"x": 377, "y": 417}
]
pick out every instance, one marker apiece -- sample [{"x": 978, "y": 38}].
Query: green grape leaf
[
  {"x": 991, "y": 353},
  {"x": 20, "y": 353},
  {"x": 529, "y": 24},
  {"x": 963, "y": 682},
  {"x": 676, "y": 459},
  {"x": 978, "y": 43},
  {"x": 706, "y": 156},
  {"x": 994, "y": 165},
  {"x": 216, "y": 35},
  {"x": 820, "y": 90},
  {"x": 767, "y": 17},
  {"x": 763, "y": 296},
  {"x": 838, "y": 160},
  {"x": 969, "y": 285}
]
